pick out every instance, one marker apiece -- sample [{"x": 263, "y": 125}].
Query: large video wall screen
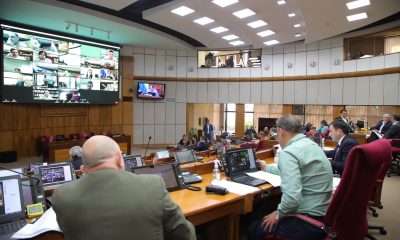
[{"x": 45, "y": 69}]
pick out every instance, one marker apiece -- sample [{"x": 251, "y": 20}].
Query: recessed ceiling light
[
  {"x": 203, "y": 20},
  {"x": 224, "y": 3},
  {"x": 298, "y": 35},
  {"x": 230, "y": 37},
  {"x": 291, "y": 14},
  {"x": 266, "y": 33},
  {"x": 357, "y": 4},
  {"x": 297, "y": 25},
  {"x": 272, "y": 42},
  {"x": 219, "y": 29},
  {"x": 244, "y": 13},
  {"x": 281, "y": 2},
  {"x": 256, "y": 24},
  {"x": 235, "y": 43},
  {"x": 182, "y": 11},
  {"x": 357, "y": 16}
]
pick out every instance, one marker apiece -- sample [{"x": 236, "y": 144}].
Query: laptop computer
[
  {"x": 12, "y": 212},
  {"x": 183, "y": 157},
  {"x": 162, "y": 154},
  {"x": 239, "y": 161},
  {"x": 133, "y": 161},
  {"x": 171, "y": 174},
  {"x": 56, "y": 174}
]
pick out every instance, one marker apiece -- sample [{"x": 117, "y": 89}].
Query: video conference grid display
[
  {"x": 48, "y": 70},
  {"x": 241, "y": 160},
  {"x": 54, "y": 175},
  {"x": 132, "y": 162}
]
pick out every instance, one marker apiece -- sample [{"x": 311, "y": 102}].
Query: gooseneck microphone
[{"x": 148, "y": 142}]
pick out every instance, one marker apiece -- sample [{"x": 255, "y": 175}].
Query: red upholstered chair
[
  {"x": 395, "y": 166},
  {"x": 346, "y": 217},
  {"x": 326, "y": 133},
  {"x": 261, "y": 145}
]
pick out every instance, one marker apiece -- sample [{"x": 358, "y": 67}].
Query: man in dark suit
[
  {"x": 339, "y": 132},
  {"x": 208, "y": 130},
  {"x": 110, "y": 203},
  {"x": 394, "y": 131},
  {"x": 343, "y": 117},
  {"x": 381, "y": 127}
]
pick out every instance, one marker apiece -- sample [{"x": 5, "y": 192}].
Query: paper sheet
[
  {"x": 234, "y": 187},
  {"x": 335, "y": 183},
  {"x": 275, "y": 180},
  {"x": 47, "y": 222}
]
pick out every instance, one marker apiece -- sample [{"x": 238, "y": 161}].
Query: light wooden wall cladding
[{"x": 22, "y": 124}]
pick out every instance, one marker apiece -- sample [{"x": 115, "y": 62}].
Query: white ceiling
[{"x": 319, "y": 19}]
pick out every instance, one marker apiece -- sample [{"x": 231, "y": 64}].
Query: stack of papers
[
  {"x": 234, "y": 187},
  {"x": 275, "y": 180},
  {"x": 47, "y": 222}
]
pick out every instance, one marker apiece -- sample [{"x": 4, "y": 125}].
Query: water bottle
[{"x": 216, "y": 175}]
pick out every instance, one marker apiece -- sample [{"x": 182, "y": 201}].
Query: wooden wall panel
[
  {"x": 116, "y": 114},
  {"x": 46, "y": 122},
  {"x": 105, "y": 115},
  {"x": 58, "y": 122},
  {"x": 127, "y": 113},
  {"x": 239, "y": 128},
  {"x": 127, "y": 129},
  {"x": 6, "y": 119},
  {"x": 20, "y": 121},
  {"x": 287, "y": 109},
  {"x": 94, "y": 115},
  {"x": 6, "y": 141},
  {"x": 33, "y": 116},
  {"x": 336, "y": 111}
]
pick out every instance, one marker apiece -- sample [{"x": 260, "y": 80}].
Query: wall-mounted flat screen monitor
[
  {"x": 42, "y": 67},
  {"x": 250, "y": 58},
  {"x": 150, "y": 90}
]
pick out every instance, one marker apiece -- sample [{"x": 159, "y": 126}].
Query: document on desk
[
  {"x": 47, "y": 222},
  {"x": 275, "y": 180},
  {"x": 234, "y": 187}
]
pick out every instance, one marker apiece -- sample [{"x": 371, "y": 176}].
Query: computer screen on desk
[
  {"x": 240, "y": 159},
  {"x": 11, "y": 201},
  {"x": 169, "y": 172},
  {"x": 57, "y": 173},
  {"x": 132, "y": 162},
  {"x": 186, "y": 156},
  {"x": 162, "y": 154}
]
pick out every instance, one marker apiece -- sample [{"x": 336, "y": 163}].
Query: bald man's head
[{"x": 100, "y": 149}]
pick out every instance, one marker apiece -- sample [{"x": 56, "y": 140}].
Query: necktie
[{"x": 383, "y": 124}]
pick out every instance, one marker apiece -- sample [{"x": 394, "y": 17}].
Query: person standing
[{"x": 208, "y": 130}]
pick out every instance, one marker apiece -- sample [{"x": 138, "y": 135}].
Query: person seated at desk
[
  {"x": 381, "y": 127},
  {"x": 339, "y": 132},
  {"x": 323, "y": 128},
  {"x": 250, "y": 133},
  {"x": 202, "y": 145},
  {"x": 75, "y": 156},
  {"x": 183, "y": 142},
  {"x": 306, "y": 185},
  {"x": 394, "y": 130},
  {"x": 111, "y": 203},
  {"x": 273, "y": 134}
]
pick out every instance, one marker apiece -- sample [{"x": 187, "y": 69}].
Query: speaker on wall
[{"x": 298, "y": 109}]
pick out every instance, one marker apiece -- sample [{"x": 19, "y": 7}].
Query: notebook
[
  {"x": 12, "y": 212},
  {"x": 240, "y": 161},
  {"x": 133, "y": 161},
  {"x": 56, "y": 174}
]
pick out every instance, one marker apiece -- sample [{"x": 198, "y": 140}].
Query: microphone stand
[
  {"x": 148, "y": 142},
  {"x": 38, "y": 188}
]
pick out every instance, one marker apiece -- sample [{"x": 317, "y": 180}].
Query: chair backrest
[
  {"x": 346, "y": 214},
  {"x": 261, "y": 145}
]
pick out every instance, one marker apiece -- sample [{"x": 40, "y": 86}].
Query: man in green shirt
[{"x": 306, "y": 185}]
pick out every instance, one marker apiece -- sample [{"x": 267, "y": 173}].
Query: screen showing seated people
[
  {"x": 240, "y": 160},
  {"x": 132, "y": 162},
  {"x": 40, "y": 67},
  {"x": 150, "y": 90},
  {"x": 56, "y": 175},
  {"x": 185, "y": 156}
]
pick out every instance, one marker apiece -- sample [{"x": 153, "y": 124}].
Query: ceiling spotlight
[
  {"x": 230, "y": 37},
  {"x": 281, "y": 2},
  {"x": 271, "y": 42},
  {"x": 256, "y": 24},
  {"x": 68, "y": 26},
  {"x": 182, "y": 11},
  {"x": 265, "y": 33},
  {"x": 219, "y": 29},
  {"x": 203, "y": 20},
  {"x": 356, "y": 17},
  {"x": 224, "y": 3},
  {"x": 292, "y": 14},
  {"x": 357, "y": 4},
  {"x": 244, "y": 13},
  {"x": 296, "y": 25},
  {"x": 235, "y": 43},
  {"x": 298, "y": 35}
]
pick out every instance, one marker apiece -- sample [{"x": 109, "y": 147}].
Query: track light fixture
[{"x": 90, "y": 28}]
